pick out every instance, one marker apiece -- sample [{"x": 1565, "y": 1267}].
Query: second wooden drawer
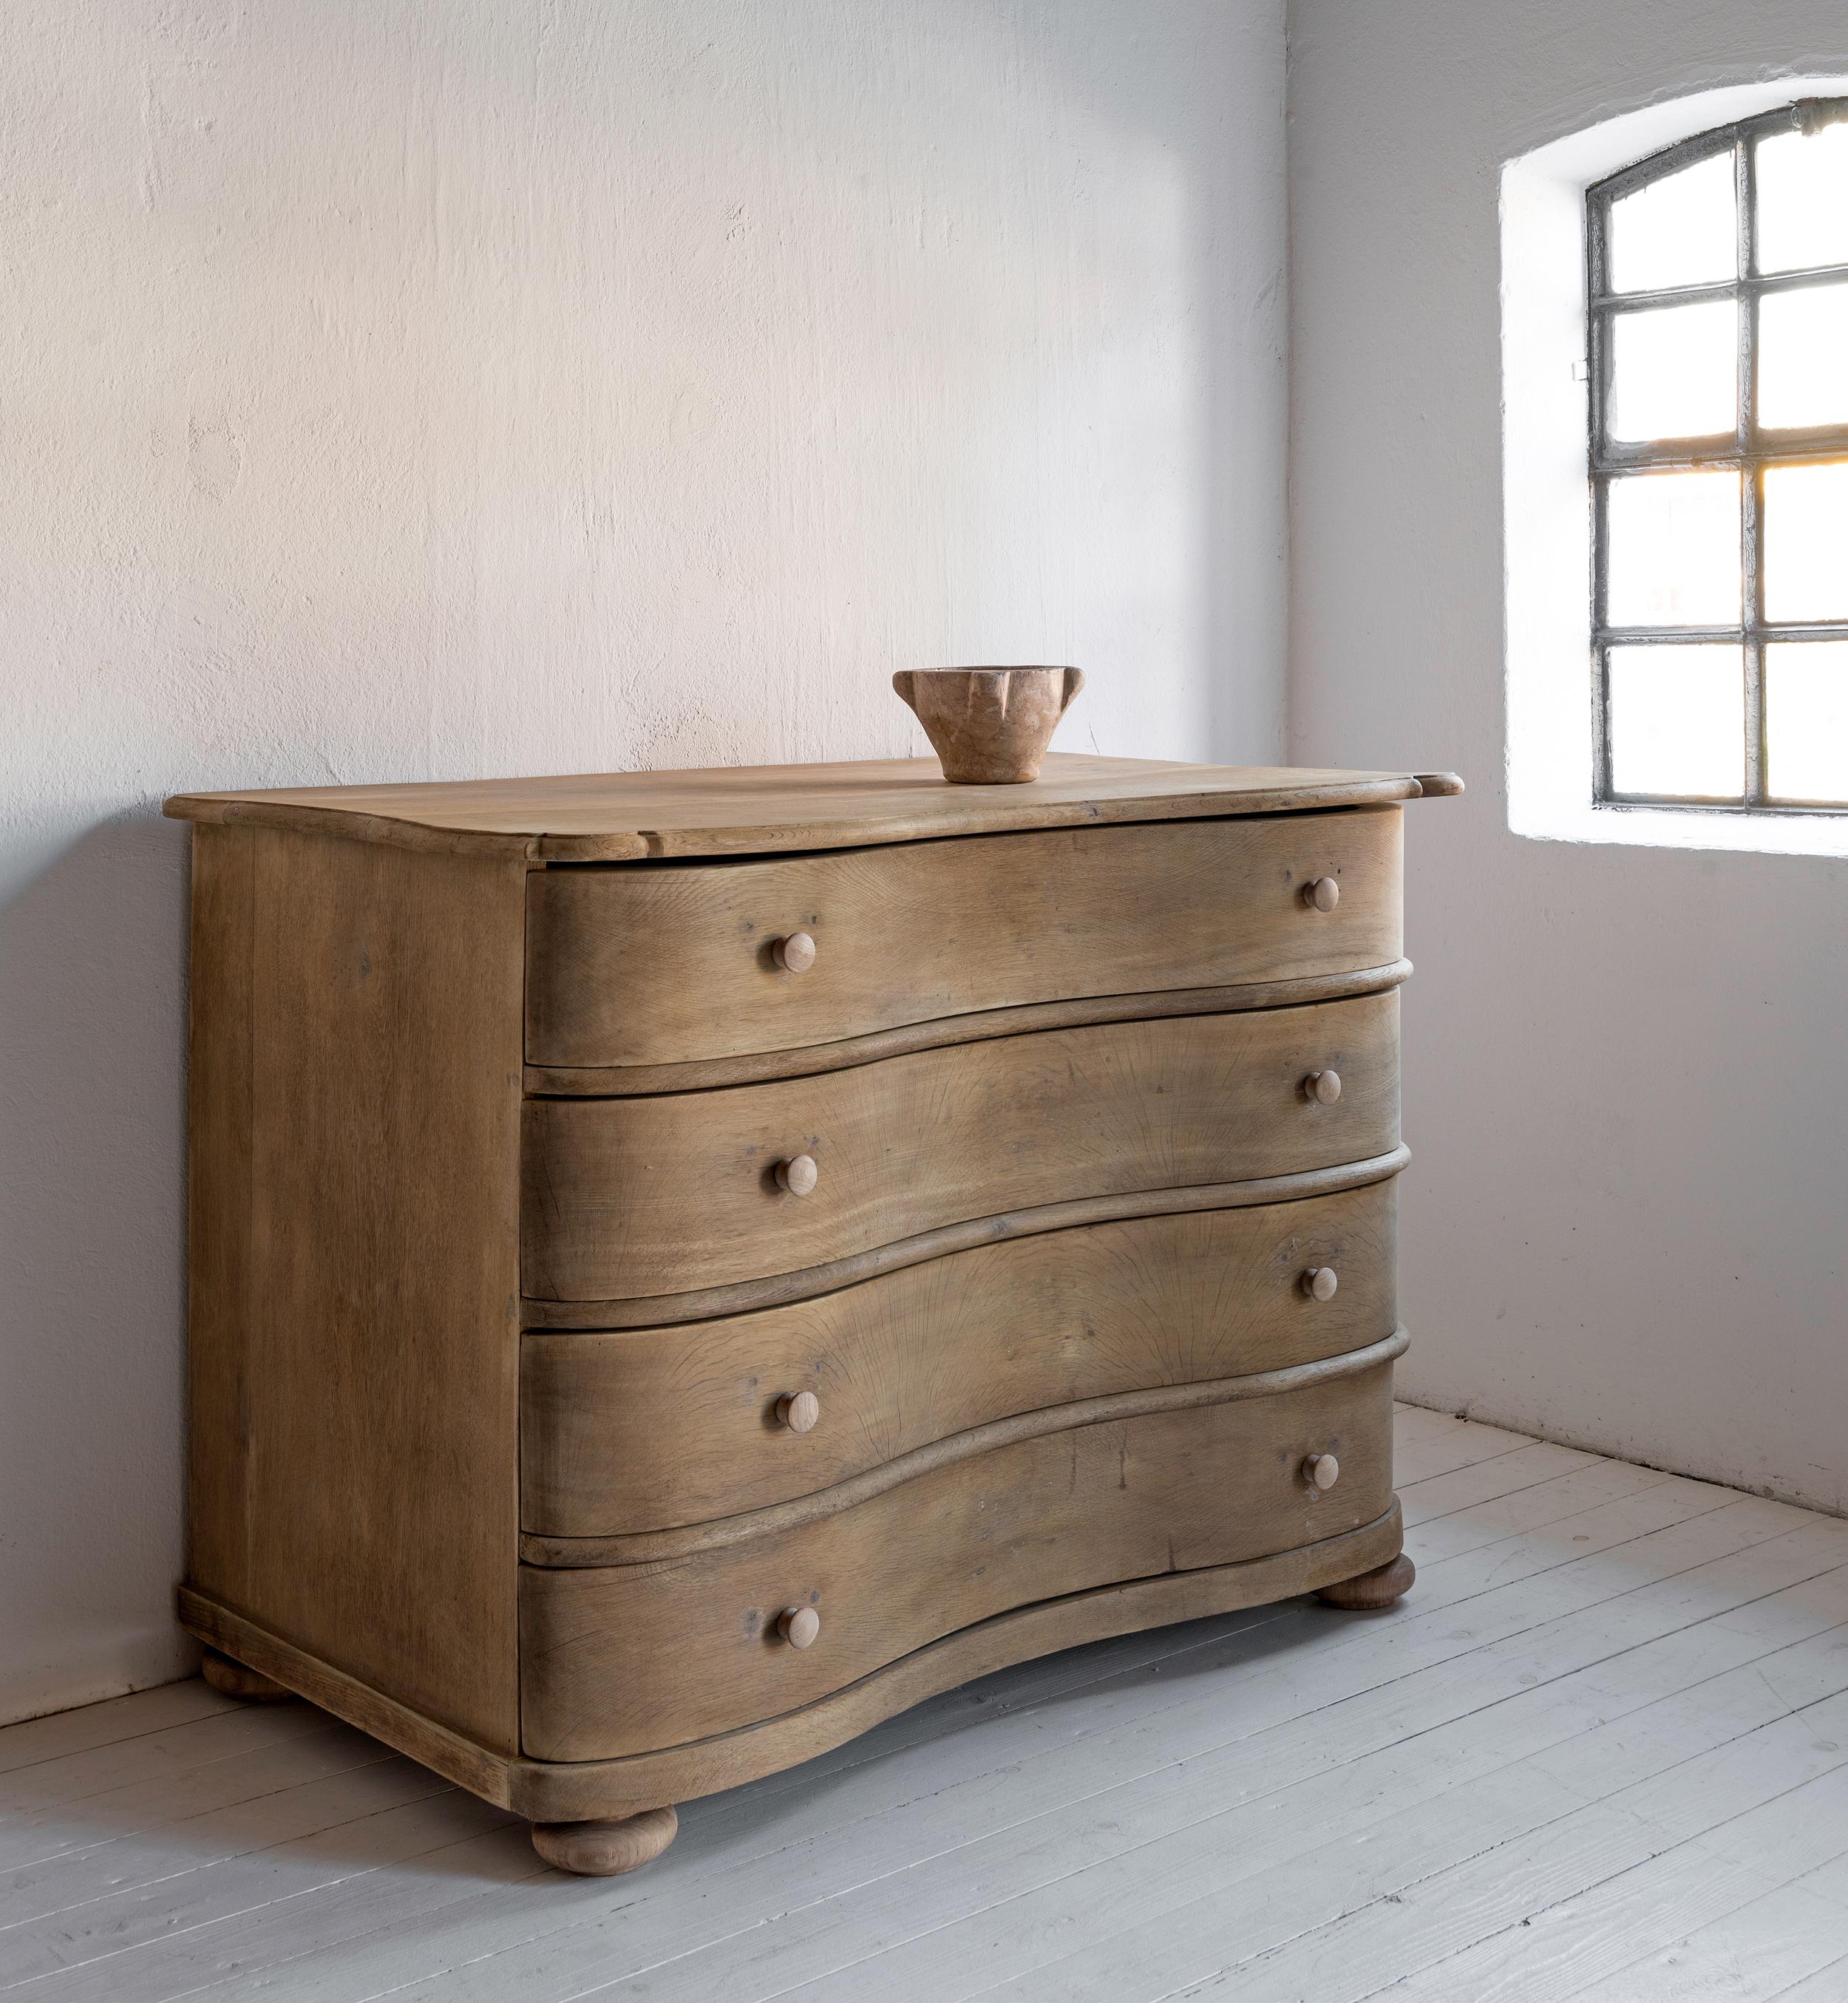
[{"x": 627, "y": 1199}]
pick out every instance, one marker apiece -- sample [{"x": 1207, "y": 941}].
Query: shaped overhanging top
[{"x": 763, "y": 810}]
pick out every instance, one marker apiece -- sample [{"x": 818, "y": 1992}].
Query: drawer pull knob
[
  {"x": 1323, "y": 1086},
  {"x": 1322, "y": 1471},
  {"x": 1320, "y": 1282},
  {"x": 799, "y": 1625},
  {"x": 799, "y": 1411},
  {"x": 796, "y": 952},
  {"x": 1323, "y": 895},
  {"x": 799, "y": 1174}
]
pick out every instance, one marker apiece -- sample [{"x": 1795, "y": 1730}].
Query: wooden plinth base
[
  {"x": 606, "y": 1849},
  {"x": 1381, "y": 1587},
  {"x": 235, "y": 1680}
]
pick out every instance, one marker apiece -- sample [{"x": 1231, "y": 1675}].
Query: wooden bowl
[{"x": 989, "y": 726}]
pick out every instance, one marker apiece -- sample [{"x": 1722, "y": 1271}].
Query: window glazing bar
[
  {"x": 1720, "y": 636},
  {"x": 1721, "y": 451},
  {"x": 1722, "y": 289}
]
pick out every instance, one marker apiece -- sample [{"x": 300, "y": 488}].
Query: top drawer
[{"x": 666, "y": 963}]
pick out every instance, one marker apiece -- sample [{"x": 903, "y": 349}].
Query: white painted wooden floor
[{"x": 1600, "y": 1752}]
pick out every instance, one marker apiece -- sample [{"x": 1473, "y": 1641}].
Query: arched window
[{"x": 1717, "y": 320}]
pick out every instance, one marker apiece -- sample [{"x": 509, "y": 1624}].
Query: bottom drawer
[{"x": 624, "y": 1659}]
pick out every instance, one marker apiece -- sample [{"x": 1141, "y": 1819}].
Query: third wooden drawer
[{"x": 640, "y": 1429}]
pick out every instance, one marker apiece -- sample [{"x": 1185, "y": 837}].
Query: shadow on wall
[{"x": 93, "y": 1017}]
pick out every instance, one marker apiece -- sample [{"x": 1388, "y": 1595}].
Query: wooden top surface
[{"x": 760, "y": 810}]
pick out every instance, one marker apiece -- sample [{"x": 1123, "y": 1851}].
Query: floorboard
[
  {"x": 1759, "y": 1950},
  {"x": 1600, "y": 1753}
]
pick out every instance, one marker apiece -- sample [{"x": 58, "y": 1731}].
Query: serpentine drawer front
[
  {"x": 627, "y": 1199},
  {"x": 1064, "y": 1513},
  {"x": 647, "y": 1428},
  {"x": 686, "y": 1265},
  {"x": 664, "y": 965}
]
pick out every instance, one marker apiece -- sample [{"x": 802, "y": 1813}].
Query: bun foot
[
  {"x": 235, "y": 1680},
  {"x": 606, "y": 1849},
  {"x": 1381, "y": 1587}
]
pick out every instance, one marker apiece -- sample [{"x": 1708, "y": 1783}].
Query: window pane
[
  {"x": 1806, "y": 542},
  {"x": 1679, "y": 231},
  {"x": 1674, "y": 549},
  {"x": 1806, "y": 720},
  {"x": 1677, "y": 720},
  {"x": 1803, "y": 200},
  {"x": 1803, "y": 357},
  {"x": 1675, "y": 372}
]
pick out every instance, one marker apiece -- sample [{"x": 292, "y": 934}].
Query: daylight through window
[{"x": 1719, "y": 365}]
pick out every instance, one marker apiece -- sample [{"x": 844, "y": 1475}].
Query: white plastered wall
[
  {"x": 402, "y": 389},
  {"x": 1626, "y": 1223}
]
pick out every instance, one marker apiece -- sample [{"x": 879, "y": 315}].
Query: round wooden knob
[
  {"x": 796, "y": 952},
  {"x": 1323, "y": 1086},
  {"x": 1323, "y": 895},
  {"x": 1319, "y": 1282},
  {"x": 799, "y": 1174},
  {"x": 799, "y": 1625},
  {"x": 1322, "y": 1471},
  {"x": 799, "y": 1411}
]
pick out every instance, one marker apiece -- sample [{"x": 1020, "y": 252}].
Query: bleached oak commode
[{"x": 685, "y": 1265}]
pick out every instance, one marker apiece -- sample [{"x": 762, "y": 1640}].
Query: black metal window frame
[{"x": 1747, "y": 449}]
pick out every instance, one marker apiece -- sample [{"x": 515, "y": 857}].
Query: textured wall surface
[
  {"x": 400, "y": 389},
  {"x": 1626, "y": 1078}
]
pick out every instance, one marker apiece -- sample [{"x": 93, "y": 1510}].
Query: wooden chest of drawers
[{"x": 685, "y": 1265}]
